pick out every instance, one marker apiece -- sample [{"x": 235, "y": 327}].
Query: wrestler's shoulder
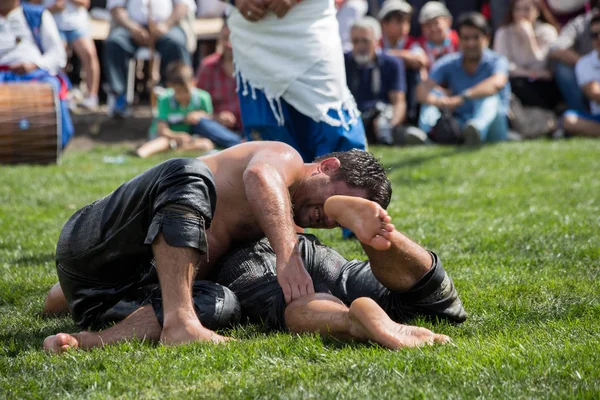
[{"x": 259, "y": 149}]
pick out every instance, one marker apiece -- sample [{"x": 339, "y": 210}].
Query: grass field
[{"x": 517, "y": 226}]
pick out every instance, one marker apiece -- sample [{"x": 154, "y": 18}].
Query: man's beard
[{"x": 361, "y": 59}]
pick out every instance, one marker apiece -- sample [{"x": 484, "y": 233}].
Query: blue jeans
[
  {"x": 310, "y": 138},
  {"x": 216, "y": 132},
  {"x": 119, "y": 47},
  {"x": 484, "y": 113},
  {"x": 73, "y": 35},
  {"x": 564, "y": 75}
]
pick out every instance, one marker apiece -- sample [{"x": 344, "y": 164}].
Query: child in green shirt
[{"x": 184, "y": 120}]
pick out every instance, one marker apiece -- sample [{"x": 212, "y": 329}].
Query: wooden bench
[{"x": 205, "y": 28}]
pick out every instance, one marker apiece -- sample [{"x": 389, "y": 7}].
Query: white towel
[{"x": 298, "y": 58}]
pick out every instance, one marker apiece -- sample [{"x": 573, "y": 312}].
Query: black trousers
[{"x": 104, "y": 252}]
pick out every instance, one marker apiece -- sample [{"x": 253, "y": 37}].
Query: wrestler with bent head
[
  {"x": 186, "y": 213},
  {"x": 356, "y": 300}
]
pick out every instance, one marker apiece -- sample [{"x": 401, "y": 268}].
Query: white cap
[
  {"x": 390, "y": 6},
  {"x": 433, "y": 9}
]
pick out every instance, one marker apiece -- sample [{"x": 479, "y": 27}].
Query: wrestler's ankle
[{"x": 181, "y": 323}]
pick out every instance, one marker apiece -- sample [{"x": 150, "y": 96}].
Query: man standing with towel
[{"x": 289, "y": 66}]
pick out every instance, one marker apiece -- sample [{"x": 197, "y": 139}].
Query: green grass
[{"x": 516, "y": 225}]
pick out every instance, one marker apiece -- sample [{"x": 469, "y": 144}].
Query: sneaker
[
  {"x": 414, "y": 136},
  {"x": 90, "y": 102},
  {"x": 471, "y": 135},
  {"x": 117, "y": 106}
]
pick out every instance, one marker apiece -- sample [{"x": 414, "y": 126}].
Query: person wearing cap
[
  {"x": 456, "y": 8},
  {"x": 477, "y": 91},
  {"x": 438, "y": 37},
  {"x": 394, "y": 16}
]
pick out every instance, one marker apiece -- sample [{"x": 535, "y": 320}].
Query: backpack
[{"x": 446, "y": 130}]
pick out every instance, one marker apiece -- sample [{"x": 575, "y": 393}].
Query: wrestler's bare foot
[
  {"x": 190, "y": 332},
  {"x": 370, "y": 322},
  {"x": 368, "y": 220},
  {"x": 60, "y": 343}
]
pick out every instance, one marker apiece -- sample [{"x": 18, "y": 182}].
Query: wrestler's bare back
[{"x": 234, "y": 221}]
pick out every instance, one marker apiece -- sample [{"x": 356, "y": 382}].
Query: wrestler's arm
[{"x": 267, "y": 177}]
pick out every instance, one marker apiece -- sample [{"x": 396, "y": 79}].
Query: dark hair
[
  {"x": 473, "y": 20},
  {"x": 396, "y": 15},
  {"x": 179, "y": 73},
  {"x": 510, "y": 18},
  {"x": 360, "y": 169}
]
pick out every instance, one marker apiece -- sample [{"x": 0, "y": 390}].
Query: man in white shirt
[
  {"x": 138, "y": 23},
  {"x": 587, "y": 72},
  {"x": 31, "y": 50}
]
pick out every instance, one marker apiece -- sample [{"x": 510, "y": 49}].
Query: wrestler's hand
[
  {"x": 252, "y": 10},
  {"x": 23, "y": 68},
  {"x": 281, "y": 7},
  {"x": 293, "y": 277}
]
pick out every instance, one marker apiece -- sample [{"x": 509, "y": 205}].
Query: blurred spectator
[
  {"x": 476, "y": 79},
  {"x": 210, "y": 8},
  {"x": 138, "y": 23},
  {"x": 456, "y": 8},
  {"x": 555, "y": 12},
  {"x": 72, "y": 20},
  {"x": 348, "y": 12},
  {"x": 377, "y": 82},
  {"x": 438, "y": 37},
  {"x": 394, "y": 16},
  {"x": 525, "y": 41},
  {"x": 587, "y": 72},
  {"x": 31, "y": 50},
  {"x": 184, "y": 119},
  {"x": 216, "y": 77},
  {"x": 573, "y": 41}
]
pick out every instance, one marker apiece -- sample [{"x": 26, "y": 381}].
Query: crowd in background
[{"x": 420, "y": 72}]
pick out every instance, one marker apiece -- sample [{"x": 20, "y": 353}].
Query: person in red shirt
[
  {"x": 438, "y": 38},
  {"x": 216, "y": 77}
]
